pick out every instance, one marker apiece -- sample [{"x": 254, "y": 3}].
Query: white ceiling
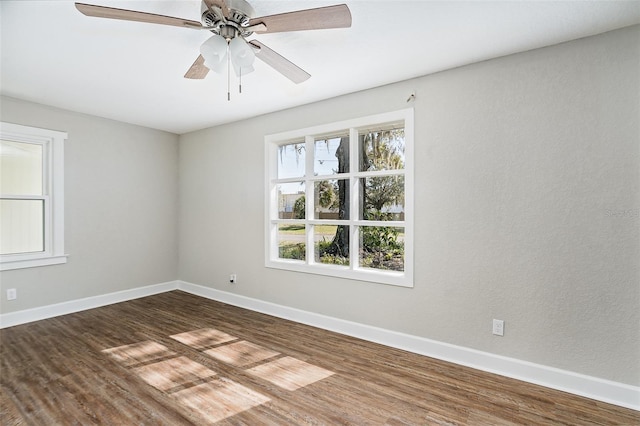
[{"x": 133, "y": 72}]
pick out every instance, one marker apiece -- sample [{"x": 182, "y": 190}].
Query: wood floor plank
[{"x": 178, "y": 359}]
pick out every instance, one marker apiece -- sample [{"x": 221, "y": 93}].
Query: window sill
[
  {"x": 7, "y": 265},
  {"x": 400, "y": 279}
]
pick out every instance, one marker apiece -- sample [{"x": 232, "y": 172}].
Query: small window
[
  {"x": 31, "y": 197},
  {"x": 339, "y": 199}
]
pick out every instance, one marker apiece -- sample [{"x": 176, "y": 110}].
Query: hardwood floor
[{"x": 178, "y": 359}]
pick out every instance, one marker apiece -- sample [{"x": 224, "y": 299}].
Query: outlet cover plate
[{"x": 12, "y": 294}]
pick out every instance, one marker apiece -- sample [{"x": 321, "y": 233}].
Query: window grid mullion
[
  {"x": 309, "y": 199},
  {"x": 46, "y": 169},
  {"x": 379, "y": 223},
  {"x": 276, "y": 181},
  {"x": 271, "y": 202},
  {"x": 23, "y": 197},
  {"x": 377, "y": 173},
  {"x": 354, "y": 197},
  {"x": 46, "y": 226}
]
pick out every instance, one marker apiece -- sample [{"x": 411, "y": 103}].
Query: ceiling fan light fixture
[
  {"x": 242, "y": 56},
  {"x": 231, "y": 21},
  {"x": 214, "y": 51}
]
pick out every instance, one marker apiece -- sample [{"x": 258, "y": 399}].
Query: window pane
[
  {"x": 20, "y": 168},
  {"x": 382, "y": 198},
  {"x": 382, "y": 247},
  {"x": 382, "y": 150},
  {"x": 331, "y": 155},
  {"x": 331, "y": 244},
  {"x": 291, "y": 241},
  {"x": 291, "y": 160},
  {"x": 291, "y": 200},
  {"x": 21, "y": 226},
  {"x": 331, "y": 199}
]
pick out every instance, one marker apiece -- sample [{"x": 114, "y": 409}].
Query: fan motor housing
[{"x": 240, "y": 13}]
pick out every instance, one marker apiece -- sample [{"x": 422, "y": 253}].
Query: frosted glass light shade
[
  {"x": 242, "y": 55},
  {"x": 214, "y": 51}
]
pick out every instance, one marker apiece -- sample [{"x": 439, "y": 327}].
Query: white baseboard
[
  {"x": 64, "y": 308},
  {"x": 579, "y": 384}
]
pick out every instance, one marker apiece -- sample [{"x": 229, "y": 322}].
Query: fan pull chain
[
  {"x": 240, "y": 81},
  {"x": 228, "y": 75}
]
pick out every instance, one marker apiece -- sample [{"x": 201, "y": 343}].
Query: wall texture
[
  {"x": 527, "y": 201},
  {"x": 121, "y": 187},
  {"x": 523, "y": 165}
]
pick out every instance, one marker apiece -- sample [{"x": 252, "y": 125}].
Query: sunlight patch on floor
[
  {"x": 241, "y": 354},
  {"x": 218, "y": 399},
  {"x": 165, "y": 375},
  {"x": 205, "y": 396},
  {"x": 139, "y": 353},
  {"x": 290, "y": 373},
  {"x": 203, "y": 338}
]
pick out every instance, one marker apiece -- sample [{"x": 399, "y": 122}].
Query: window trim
[
  {"x": 272, "y": 143},
  {"x": 53, "y": 195}
]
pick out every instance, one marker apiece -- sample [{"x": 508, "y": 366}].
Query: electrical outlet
[
  {"x": 12, "y": 294},
  {"x": 498, "y": 327},
  {"x": 233, "y": 278}
]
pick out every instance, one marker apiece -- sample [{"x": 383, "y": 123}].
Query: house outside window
[
  {"x": 31, "y": 197},
  {"x": 339, "y": 199}
]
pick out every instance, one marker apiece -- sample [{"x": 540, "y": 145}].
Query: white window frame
[
  {"x": 353, "y": 271},
  {"x": 52, "y": 142}
]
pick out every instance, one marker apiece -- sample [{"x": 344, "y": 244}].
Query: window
[
  {"x": 339, "y": 199},
  {"x": 31, "y": 197}
]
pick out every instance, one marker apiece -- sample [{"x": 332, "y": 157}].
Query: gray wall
[
  {"x": 121, "y": 187},
  {"x": 519, "y": 162}
]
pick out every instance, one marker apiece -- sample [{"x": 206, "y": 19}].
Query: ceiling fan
[{"x": 231, "y": 22}]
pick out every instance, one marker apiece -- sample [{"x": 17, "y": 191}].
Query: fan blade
[
  {"x": 320, "y": 18},
  {"x": 220, "y": 4},
  {"x": 197, "y": 70},
  {"x": 279, "y": 63},
  {"x": 132, "y": 15}
]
